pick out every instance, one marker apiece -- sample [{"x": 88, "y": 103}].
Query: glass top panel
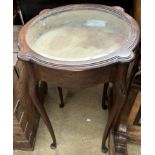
[{"x": 77, "y": 35}]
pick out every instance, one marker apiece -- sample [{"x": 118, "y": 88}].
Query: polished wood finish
[
  {"x": 124, "y": 54},
  {"x": 119, "y": 96},
  {"x": 61, "y": 97},
  {"x": 72, "y": 76},
  {"x": 33, "y": 92},
  {"x": 83, "y": 79},
  {"x": 105, "y": 88}
]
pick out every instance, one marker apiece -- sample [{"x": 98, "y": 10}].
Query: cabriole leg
[
  {"x": 119, "y": 99},
  {"x": 33, "y": 92}
]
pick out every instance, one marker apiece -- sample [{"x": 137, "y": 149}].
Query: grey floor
[{"x": 78, "y": 126}]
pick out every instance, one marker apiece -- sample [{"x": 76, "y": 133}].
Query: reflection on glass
[{"x": 78, "y": 35}]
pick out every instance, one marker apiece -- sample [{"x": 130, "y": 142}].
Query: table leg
[
  {"x": 61, "y": 97},
  {"x": 119, "y": 98},
  {"x": 33, "y": 91},
  {"x": 104, "y": 106}
]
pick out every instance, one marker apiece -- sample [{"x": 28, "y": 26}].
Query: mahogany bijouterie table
[{"x": 78, "y": 46}]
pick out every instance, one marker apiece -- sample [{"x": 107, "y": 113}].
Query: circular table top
[{"x": 81, "y": 34}]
